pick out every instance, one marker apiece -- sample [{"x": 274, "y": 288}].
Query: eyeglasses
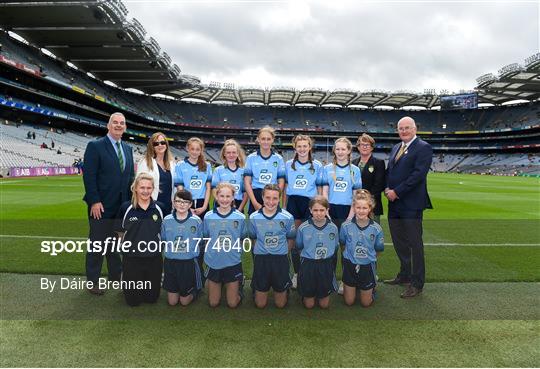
[
  {"x": 182, "y": 202},
  {"x": 364, "y": 145},
  {"x": 157, "y": 143}
]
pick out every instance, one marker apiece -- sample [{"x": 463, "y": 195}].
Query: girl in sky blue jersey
[
  {"x": 180, "y": 230},
  {"x": 225, "y": 228},
  {"x": 317, "y": 241},
  {"x": 340, "y": 179},
  {"x": 271, "y": 227},
  {"x": 263, "y": 167},
  {"x": 194, "y": 174},
  {"x": 363, "y": 239},
  {"x": 232, "y": 171},
  {"x": 303, "y": 182}
]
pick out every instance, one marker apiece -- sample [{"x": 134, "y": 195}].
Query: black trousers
[
  {"x": 146, "y": 270},
  {"x": 406, "y": 231},
  {"x": 99, "y": 231}
]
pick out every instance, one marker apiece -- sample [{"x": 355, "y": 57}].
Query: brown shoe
[
  {"x": 396, "y": 281},
  {"x": 96, "y": 291},
  {"x": 411, "y": 291}
]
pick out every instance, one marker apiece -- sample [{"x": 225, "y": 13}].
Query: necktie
[
  {"x": 120, "y": 156},
  {"x": 400, "y": 152}
]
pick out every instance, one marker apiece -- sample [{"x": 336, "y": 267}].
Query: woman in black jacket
[{"x": 373, "y": 172}]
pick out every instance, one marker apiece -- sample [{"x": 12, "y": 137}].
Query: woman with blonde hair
[{"x": 158, "y": 162}]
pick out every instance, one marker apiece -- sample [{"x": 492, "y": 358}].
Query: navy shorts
[
  {"x": 298, "y": 206},
  {"x": 197, "y": 203},
  {"x": 257, "y": 192},
  {"x": 271, "y": 271},
  {"x": 316, "y": 278},
  {"x": 226, "y": 275},
  {"x": 339, "y": 213},
  {"x": 359, "y": 276},
  {"x": 182, "y": 277}
]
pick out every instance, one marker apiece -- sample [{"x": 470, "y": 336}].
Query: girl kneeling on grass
[
  {"x": 317, "y": 241},
  {"x": 181, "y": 230},
  {"x": 226, "y": 229},
  {"x": 363, "y": 240},
  {"x": 272, "y": 227}
]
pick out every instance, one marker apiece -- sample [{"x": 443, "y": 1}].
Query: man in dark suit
[
  {"x": 407, "y": 195},
  {"x": 373, "y": 172},
  {"x": 108, "y": 174}
]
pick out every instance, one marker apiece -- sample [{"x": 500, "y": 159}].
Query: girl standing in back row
[
  {"x": 263, "y": 167},
  {"x": 194, "y": 174},
  {"x": 232, "y": 171}
]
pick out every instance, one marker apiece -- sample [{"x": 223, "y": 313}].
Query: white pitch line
[{"x": 386, "y": 244}]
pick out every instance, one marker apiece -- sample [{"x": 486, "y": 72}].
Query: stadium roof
[{"x": 97, "y": 37}]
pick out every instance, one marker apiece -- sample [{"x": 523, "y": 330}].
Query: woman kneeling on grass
[
  {"x": 317, "y": 242},
  {"x": 363, "y": 240},
  {"x": 139, "y": 223},
  {"x": 226, "y": 229}
]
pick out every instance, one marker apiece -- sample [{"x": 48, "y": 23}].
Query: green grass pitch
[{"x": 479, "y": 307}]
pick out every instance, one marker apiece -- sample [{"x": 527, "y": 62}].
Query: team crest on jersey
[
  {"x": 282, "y": 224},
  {"x": 235, "y": 224},
  {"x": 274, "y": 164},
  {"x": 193, "y": 229},
  {"x": 312, "y": 171},
  {"x": 332, "y": 236},
  {"x": 155, "y": 217},
  {"x": 371, "y": 169},
  {"x": 372, "y": 237}
]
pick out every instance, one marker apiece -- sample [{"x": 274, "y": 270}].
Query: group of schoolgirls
[{"x": 322, "y": 207}]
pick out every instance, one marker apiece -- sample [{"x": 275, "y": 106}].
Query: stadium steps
[
  {"x": 46, "y": 163},
  {"x": 458, "y": 163}
]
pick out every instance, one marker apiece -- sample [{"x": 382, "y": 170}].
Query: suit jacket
[
  {"x": 373, "y": 180},
  {"x": 408, "y": 176},
  {"x": 103, "y": 180}
]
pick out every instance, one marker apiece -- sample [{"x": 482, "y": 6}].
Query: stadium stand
[{"x": 68, "y": 106}]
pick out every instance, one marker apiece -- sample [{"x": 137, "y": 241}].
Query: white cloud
[{"x": 360, "y": 45}]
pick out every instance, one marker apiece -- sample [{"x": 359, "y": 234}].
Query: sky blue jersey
[
  {"x": 188, "y": 175},
  {"x": 361, "y": 244},
  {"x": 317, "y": 243},
  {"x": 303, "y": 180},
  {"x": 341, "y": 182},
  {"x": 234, "y": 177},
  {"x": 227, "y": 233},
  {"x": 264, "y": 171},
  {"x": 271, "y": 232},
  {"x": 182, "y": 235}
]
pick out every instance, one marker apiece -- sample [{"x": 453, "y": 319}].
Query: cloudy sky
[{"x": 361, "y": 45}]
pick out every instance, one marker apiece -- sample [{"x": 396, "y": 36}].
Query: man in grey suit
[
  {"x": 407, "y": 195},
  {"x": 108, "y": 174}
]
